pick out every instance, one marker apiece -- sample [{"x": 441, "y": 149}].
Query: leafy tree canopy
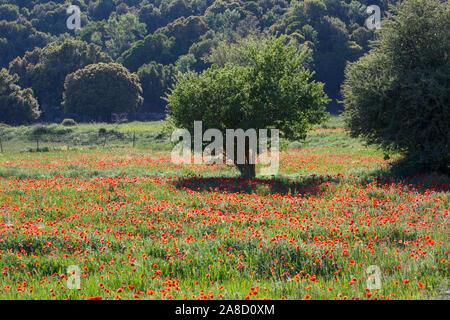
[
  {"x": 273, "y": 91},
  {"x": 398, "y": 95},
  {"x": 17, "y": 106},
  {"x": 101, "y": 89},
  {"x": 44, "y": 70},
  {"x": 155, "y": 47},
  {"x": 156, "y": 79}
]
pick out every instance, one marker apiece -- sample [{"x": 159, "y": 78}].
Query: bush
[
  {"x": 99, "y": 90},
  {"x": 397, "y": 96},
  {"x": 295, "y": 145},
  {"x": 40, "y": 129},
  {"x": 68, "y": 123}
]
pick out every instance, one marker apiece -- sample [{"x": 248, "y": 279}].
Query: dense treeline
[{"x": 159, "y": 38}]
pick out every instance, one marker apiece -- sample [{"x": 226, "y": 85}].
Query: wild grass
[{"x": 140, "y": 227}]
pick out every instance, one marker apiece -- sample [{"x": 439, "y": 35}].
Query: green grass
[
  {"x": 140, "y": 227},
  {"x": 147, "y": 135}
]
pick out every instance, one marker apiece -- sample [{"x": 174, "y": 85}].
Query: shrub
[
  {"x": 68, "y": 123},
  {"x": 39, "y": 130},
  {"x": 99, "y": 90}
]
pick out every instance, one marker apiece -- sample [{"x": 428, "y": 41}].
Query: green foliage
[
  {"x": 233, "y": 51},
  {"x": 68, "y": 123},
  {"x": 201, "y": 50},
  {"x": 155, "y": 47},
  {"x": 273, "y": 91},
  {"x": 17, "y": 106},
  {"x": 45, "y": 70},
  {"x": 156, "y": 79},
  {"x": 325, "y": 26},
  {"x": 131, "y": 32},
  {"x": 99, "y": 90},
  {"x": 225, "y": 22},
  {"x": 185, "y": 31},
  {"x": 121, "y": 32},
  {"x": 17, "y": 37},
  {"x": 9, "y": 12},
  {"x": 115, "y": 35},
  {"x": 186, "y": 62},
  {"x": 398, "y": 95},
  {"x": 39, "y": 130},
  {"x": 101, "y": 9},
  {"x": 175, "y": 9},
  {"x": 49, "y": 17},
  {"x": 151, "y": 16}
]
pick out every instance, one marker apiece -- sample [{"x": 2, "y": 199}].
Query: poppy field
[{"x": 332, "y": 225}]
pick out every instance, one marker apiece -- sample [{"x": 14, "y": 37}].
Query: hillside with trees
[{"x": 158, "y": 39}]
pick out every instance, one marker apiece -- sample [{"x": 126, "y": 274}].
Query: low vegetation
[{"x": 139, "y": 227}]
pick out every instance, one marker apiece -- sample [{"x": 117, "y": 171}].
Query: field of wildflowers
[{"x": 139, "y": 227}]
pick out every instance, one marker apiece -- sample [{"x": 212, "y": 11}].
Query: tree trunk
[{"x": 247, "y": 170}]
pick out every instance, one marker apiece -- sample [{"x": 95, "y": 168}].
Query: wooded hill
[{"x": 157, "y": 39}]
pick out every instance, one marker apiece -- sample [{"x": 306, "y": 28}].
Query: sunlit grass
[{"x": 140, "y": 227}]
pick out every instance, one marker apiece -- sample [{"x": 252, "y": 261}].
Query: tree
[
  {"x": 175, "y": 9},
  {"x": 49, "y": 17},
  {"x": 186, "y": 62},
  {"x": 272, "y": 91},
  {"x": 321, "y": 23},
  {"x": 101, "y": 89},
  {"x": 101, "y": 9},
  {"x": 223, "y": 23},
  {"x": 151, "y": 16},
  {"x": 398, "y": 96},
  {"x": 185, "y": 31},
  {"x": 155, "y": 47},
  {"x": 201, "y": 50},
  {"x": 121, "y": 32},
  {"x": 226, "y": 51},
  {"x": 156, "y": 79},
  {"x": 231, "y": 52},
  {"x": 17, "y": 106},
  {"x": 9, "y": 12},
  {"x": 17, "y": 37},
  {"x": 44, "y": 70}
]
